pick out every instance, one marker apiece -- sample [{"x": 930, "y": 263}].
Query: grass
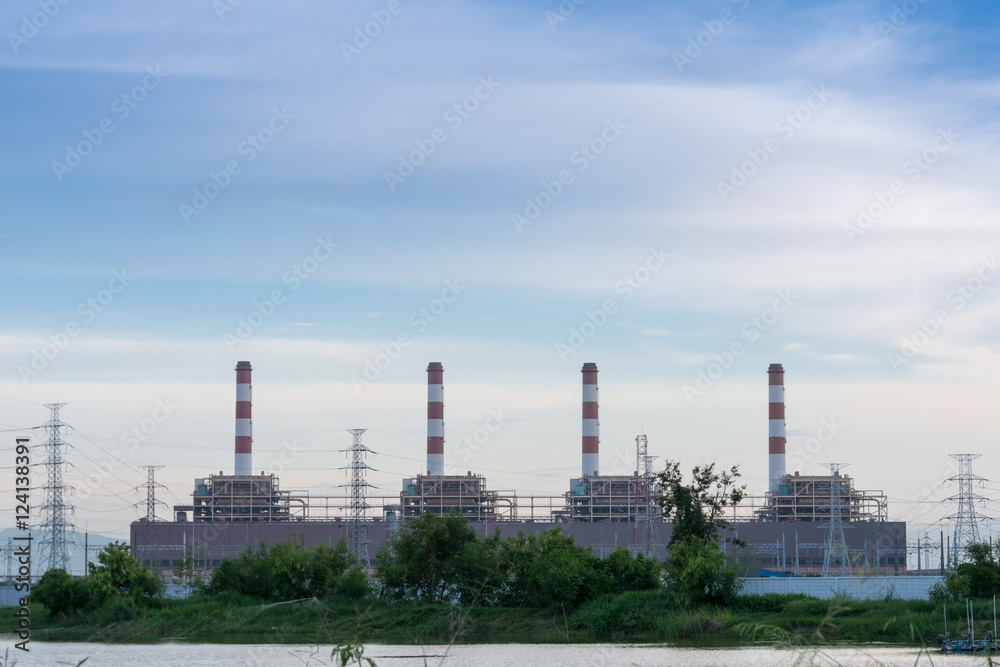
[{"x": 635, "y": 616}]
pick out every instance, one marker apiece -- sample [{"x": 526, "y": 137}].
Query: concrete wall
[
  {"x": 164, "y": 543},
  {"x": 858, "y": 588},
  {"x": 10, "y": 597}
]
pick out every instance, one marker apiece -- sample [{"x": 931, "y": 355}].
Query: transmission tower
[
  {"x": 642, "y": 537},
  {"x": 836, "y": 559},
  {"x": 966, "y": 525},
  {"x": 55, "y": 510},
  {"x": 357, "y": 527},
  {"x": 149, "y": 525},
  {"x": 151, "y": 486}
]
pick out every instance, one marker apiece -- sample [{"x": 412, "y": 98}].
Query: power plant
[{"x": 231, "y": 512}]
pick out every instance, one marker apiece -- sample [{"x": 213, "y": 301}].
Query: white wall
[{"x": 859, "y": 588}]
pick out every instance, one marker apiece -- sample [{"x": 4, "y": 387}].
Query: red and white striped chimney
[
  {"x": 775, "y": 426},
  {"x": 244, "y": 426},
  {"x": 591, "y": 435},
  {"x": 435, "y": 419}
]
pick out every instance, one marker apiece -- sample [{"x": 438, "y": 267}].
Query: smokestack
[
  {"x": 244, "y": 425},
  {"x": 775, "y": 425},
  {"x": 591, "y": 439},
  {"x": 435, "y": 419}
]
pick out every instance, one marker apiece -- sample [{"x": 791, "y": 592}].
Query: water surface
[{"x": 472, "y": 655}]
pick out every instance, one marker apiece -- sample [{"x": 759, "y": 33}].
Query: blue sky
[{"x": 817, "y": 109}]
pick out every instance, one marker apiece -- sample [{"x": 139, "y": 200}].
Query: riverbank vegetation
[
  {"x": 438, "y": 581},
  {"x": 633, "y": 616}
]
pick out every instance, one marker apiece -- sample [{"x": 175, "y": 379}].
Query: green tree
[
  {"x": 118, "y": 572},
  {"x": 59, "y": 592},
  {"x": 287, "y": 571},
  {"x": 551, "y": 569},
  {"x": 625, "y": 572},
  {"x": 696, "y": 569},
  {"x": 697, "y": 509},
  {"x": 421, "y": 562},
  {"x": 976, "y": 577},
  {"x": 483, "y": 571},
  {"x": 697, "y": 572}
]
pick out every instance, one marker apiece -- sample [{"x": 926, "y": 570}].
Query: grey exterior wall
[{"x": 772, "y": 544}]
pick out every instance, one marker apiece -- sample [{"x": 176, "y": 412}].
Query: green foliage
[
  {"x": 654, "y": 615},
  {"x": 550, "y": 569},
  {"x": 423, "y": 562},
  {"x": 115, "y": 580},
  {"x": 627, "y": 573},
  {"x": 976, "y": 577},
  {"x": 286, "y": 571},
  {"x": 770, "y": 603},
  {"x": 697, "y": 572},
  {"x": 352, "y": 652},
  {"x": 437, "y": 559},
  {"x": 697, "y": 508},
  {"x": 483, "y": 571},
  {"x": 696, "y": 569},
  {"x": 626, "y": 614},
  {"x": 117, "y": 572},
  {"x": 117, "y": 610},
  {"x": 950, "y": 589},
  {"x": 59, "y": 592}
]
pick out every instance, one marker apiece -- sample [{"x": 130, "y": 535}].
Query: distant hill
[{"x": 75, "y": 539}]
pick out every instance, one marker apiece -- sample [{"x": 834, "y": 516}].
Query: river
[{"x": 471, "y": 655}]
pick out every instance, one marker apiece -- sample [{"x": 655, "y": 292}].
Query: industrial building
[
  {"x": 463, "y": 494},
  {"x": 788, "y": 528},
  {"x": 807, "y": 498},
  {"x": 239, "y": 498}
]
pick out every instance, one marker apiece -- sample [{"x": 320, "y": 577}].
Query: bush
[
  {"x": 625, "y": 572},
  {"x": 697, "y": 572},
  {"x": 117, "y": 572},
  {"x": 442, "y": 559},
  {"x": 60, "y": 593},
  {"x": 551, "y": 569},
  {"x": 632, "y": 613},
  {"x": 288, "y": 572},
  {"x": 121, "y": 610},
  {"x": 770, "y": 603},
  {"x": 423, "y": 562}
]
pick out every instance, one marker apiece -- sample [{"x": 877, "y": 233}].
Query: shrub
[{"x": 60, "y": 593}]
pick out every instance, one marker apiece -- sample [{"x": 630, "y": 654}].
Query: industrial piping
[
  {"x": 244, "y": 425},
  {"x": 435, "y": 419},
  {"x": 591, "y": 427},
  {"x": 775, "y": 426}
]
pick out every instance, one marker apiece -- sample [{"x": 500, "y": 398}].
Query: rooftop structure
[
  {"x": 808, "y": 498},
  {"x": 607, "y": 498},
  {"x": 466, "y": 494},
  {"x": 239, "y": 498}
]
